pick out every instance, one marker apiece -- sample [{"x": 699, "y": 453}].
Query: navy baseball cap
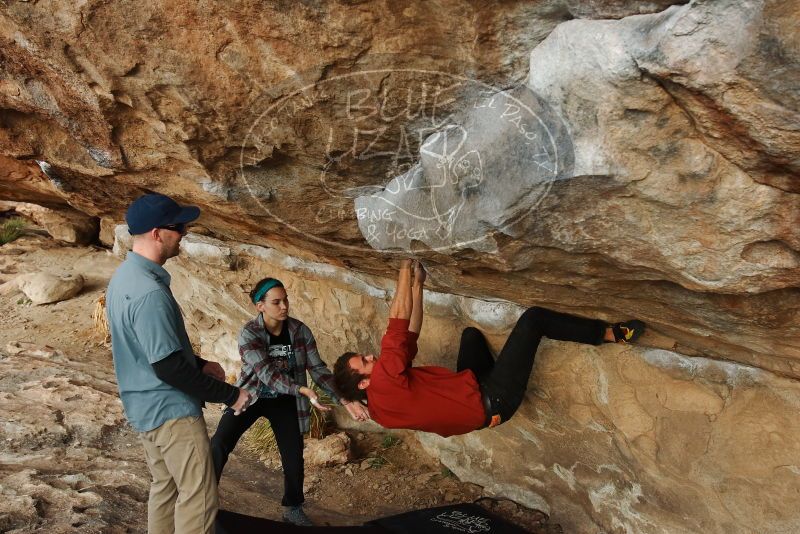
[{"x": 154, "y": 210}]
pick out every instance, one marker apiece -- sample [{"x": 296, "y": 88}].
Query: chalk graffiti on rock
[{"x": 424, "y": 155}]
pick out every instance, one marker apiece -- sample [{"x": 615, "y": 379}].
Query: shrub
[
  {"x": 11, "y": 230},
  {"x": 378, "y": 462},
  {"x": 260, "y": 438},
  {"x": 389, "y": 441}
]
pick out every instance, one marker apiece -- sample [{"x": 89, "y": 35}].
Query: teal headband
[{"x": 266, "y": 287}]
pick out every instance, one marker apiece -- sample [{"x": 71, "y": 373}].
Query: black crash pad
[
  {"x": 233, "y": 523},
  {"x": 451, "y": 519},
  {"x": 462, "y": 518}
]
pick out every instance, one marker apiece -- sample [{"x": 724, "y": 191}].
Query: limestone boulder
[
  {"x": 659, "y": 143},
  {"x": 515, "y": 158},
  {"x": 331, "y": 450},
  {"x": 106, "y": 236},
  {"x": 123, "y": 241},
  {"x": 26, "y": 348},
  {"x": 102, "y": 105},
  {"x": 46, "y": 288}
]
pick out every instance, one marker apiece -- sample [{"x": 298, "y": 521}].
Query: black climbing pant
[
  {"x": 504, "y": 381},
  {"x": 282, "y": 415}
]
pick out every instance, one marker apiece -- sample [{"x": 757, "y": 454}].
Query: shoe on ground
[
  {"x": 296, "y": 516},
  {"x": 628, "y": 332}
]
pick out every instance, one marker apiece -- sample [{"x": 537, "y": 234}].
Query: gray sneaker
[{"x": 296, "y": 516}]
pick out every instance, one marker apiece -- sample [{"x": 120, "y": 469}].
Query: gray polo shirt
[{"x": 146, "y": 326}]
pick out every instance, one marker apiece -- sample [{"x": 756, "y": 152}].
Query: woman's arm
[
  {"x": 313, "y": 397},
  {"x": 319, "y": 372},
  {"x": 323, "y": 377}
]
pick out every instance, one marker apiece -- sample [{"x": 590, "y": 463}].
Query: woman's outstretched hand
[{"x": 314, "y": 398}]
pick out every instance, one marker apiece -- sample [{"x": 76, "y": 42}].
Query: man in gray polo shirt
[{"x": 162, "y": 383}]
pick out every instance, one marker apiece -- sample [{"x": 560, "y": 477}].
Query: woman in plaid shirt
[{"x": 277, "y": 351}]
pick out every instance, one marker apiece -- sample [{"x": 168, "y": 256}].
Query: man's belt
[{"x": 493, "y": 417}]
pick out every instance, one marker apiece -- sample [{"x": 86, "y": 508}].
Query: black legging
[
  {"x": 506, "y": 380},
  {"x": 282, "y": 415}
]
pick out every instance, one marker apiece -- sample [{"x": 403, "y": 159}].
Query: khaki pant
[{"x": 183, "y": 494}]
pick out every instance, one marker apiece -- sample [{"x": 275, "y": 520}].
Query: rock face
[
  {"x": 65, "y": 224},
  {"x": 297, "y": 128},
  {"x": 678, "y": 205},
  {"x": 643, "y": 441},
  {"x": 662, "y": 162},
  {"x": 59, "y": 417}
]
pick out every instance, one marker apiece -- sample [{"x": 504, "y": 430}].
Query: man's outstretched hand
[
  {"x": 242, "y": 401},
  {"x": 357, "y": 411}
]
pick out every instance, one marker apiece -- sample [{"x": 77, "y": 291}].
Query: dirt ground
[{"x": 390, "y": 473}]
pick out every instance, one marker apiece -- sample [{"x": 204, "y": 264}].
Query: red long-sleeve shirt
[{"x": 428, "y": 398}]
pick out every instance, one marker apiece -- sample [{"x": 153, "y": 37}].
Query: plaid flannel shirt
[{"x": 256, "y": 369}]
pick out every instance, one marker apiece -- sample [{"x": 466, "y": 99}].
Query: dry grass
[
  {"x": 11, "y": 230},
  {"x": 260, "y": 438},
  {"x": 100, "y": 319}
]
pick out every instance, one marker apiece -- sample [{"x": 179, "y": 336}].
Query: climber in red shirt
[{"x": 482, "y": 392}]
